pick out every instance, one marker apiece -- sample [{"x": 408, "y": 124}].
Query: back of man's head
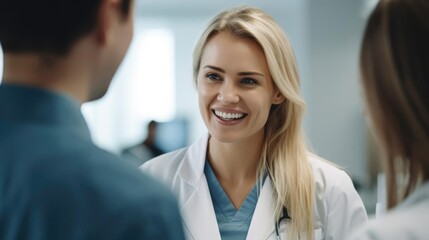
[{"x": 48, "y": 26}]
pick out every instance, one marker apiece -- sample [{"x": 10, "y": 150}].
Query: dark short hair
[{"x": 50, "y": 26}]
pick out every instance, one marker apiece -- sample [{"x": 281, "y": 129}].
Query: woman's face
[{"x": 235, "y": 88}]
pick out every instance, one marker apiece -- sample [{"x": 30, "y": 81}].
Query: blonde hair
[
  {"x": 284, "y": 155},
  {"x": 395, "y": 76}
]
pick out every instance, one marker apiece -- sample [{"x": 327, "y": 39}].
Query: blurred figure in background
[
  {"x": 252, "y": 176},
  {"x": 395, "y": 79},
  {"x": 55, "y": 184},
  {"x": 145, "y": 150}
]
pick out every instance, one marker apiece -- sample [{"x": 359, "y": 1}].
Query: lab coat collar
[
  {"x": 199, "y": 215},
  {"x": 198, "y": 212},
  {"x": 262, "y": 225},
  {"x": 192, "y": 169},
  {"x": 197, "y": 209}
]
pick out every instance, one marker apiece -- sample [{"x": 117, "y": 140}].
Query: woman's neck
[
  {"x": 235, "y": 160},
  {"x": 235, "y": 166}
]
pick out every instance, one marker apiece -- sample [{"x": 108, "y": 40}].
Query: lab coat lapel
[
  {"x": 199, "y": 216},
  {"x": 197, "y": 207},
  {"x": 262, "y": 224}
]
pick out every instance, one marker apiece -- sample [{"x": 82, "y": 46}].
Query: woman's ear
[{"x": 278, "y": 97}]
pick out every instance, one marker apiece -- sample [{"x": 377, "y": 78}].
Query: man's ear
[
  {"x": 278, "y": 97},
  {"x": 106, "y": 14}
]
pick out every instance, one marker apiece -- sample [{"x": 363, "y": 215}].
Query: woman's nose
[{"x": 228, "y": 94}]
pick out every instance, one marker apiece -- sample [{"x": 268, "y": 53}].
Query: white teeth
[{"x": 229, "y": 115}]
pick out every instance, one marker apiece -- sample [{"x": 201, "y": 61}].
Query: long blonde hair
[
  {"x": 395, "y": 76},
  {"x": 284, "y": 155}
]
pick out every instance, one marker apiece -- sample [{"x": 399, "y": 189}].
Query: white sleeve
[
  {"x": 346, "y": 212},
  {"x": 364, "y": 234}
]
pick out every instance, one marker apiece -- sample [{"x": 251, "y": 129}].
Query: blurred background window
[{"x": 142, "y": 90}]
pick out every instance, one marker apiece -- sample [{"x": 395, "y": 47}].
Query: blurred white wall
[
  {"x": 143, "y": 89},
  {"x": 336, "y": 128}
]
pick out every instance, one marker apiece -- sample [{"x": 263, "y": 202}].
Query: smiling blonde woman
[{"x": 251, "y": 176}]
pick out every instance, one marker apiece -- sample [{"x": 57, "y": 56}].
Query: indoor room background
[{"x": 155, "y": 81}]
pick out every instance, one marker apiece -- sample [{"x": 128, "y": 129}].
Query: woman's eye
[
  {"x": 248, "y": 81},
  {"x": 213, "y": 76}
]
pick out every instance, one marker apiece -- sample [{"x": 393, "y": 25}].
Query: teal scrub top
[{"x": 233, "y": 223}]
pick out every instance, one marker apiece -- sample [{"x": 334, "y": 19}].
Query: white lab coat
[
  {"x": 338, "y": 207},
  {"x": 407, "y": 221}
]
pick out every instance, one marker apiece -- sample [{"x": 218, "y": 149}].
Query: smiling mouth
[{"x": 229, "y": 116}]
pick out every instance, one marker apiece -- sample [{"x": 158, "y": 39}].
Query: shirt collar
[{"x": 29, "y": 104}]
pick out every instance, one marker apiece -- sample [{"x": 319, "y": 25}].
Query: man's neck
[{"x": 45, "y": 71}]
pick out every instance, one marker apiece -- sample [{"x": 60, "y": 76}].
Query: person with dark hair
[
  {"x": 54, "y": 182},
  {"x": 395, "y": 78},
  {"x": 145, "y": 150}
]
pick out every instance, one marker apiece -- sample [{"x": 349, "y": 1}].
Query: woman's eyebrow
[
  {"x": 250, "y": 73},
  {"x": 215, "y": 68},
  {"x": 247, "y": 73}
]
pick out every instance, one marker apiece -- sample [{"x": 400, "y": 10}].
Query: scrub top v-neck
[{"x": 233, "y": 223}]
